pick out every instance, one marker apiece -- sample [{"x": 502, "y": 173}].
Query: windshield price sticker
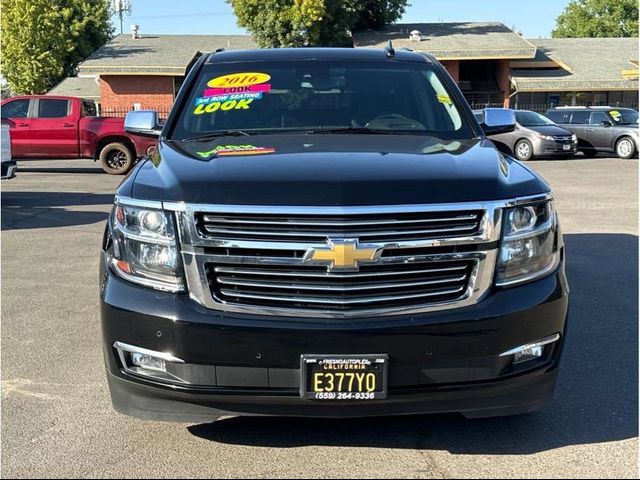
[
  {"x": 240, "y": 88},
  {"x": 239, "y": 80},
  {"x": 224, "y": 106}
]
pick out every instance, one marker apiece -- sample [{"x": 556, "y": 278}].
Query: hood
[
  {"x": 330, "y": 170},
  {"x": 550, "y": 130}
]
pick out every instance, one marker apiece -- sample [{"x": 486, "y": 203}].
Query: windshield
[
  {"x": 624, "y": 116},
  {"x": 532, "y": 119},
  {"x": 315, "y": 96}
]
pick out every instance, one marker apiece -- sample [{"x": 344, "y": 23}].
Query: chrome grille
[
  {"x": 261, "y": 260},
  {"x": 384, "y": 285},
  {"x": 562, "y": 138},
  {"x": 367, "y": 228}
]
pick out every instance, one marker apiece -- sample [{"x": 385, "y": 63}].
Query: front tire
[
  {"x": 625, "y": 148},
  {"x": 116, "y": 158},
  {"x": 523, "y": 150}
]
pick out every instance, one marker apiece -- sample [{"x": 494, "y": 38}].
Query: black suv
[
  {"x": 328, "y": 232},
  {"x": 601, "y": 129}
]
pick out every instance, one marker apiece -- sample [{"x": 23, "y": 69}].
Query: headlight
[
  {"x": 530, "y": 244},
  {"x": 145, "y": 249},
  {"x": 574, "y": 137},
  {"x": 544, "y": 137}
]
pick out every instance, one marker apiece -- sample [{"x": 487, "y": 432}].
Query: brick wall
[
  {"x": 120, "y": 92},
  {"x": 453, "y": 67}
]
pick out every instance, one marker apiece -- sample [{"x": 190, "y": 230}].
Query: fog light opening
[
  {"x": 147, "y": 363},
  {"x": 530, "y": 351}
]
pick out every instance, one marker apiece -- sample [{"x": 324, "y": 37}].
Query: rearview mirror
[
  {"x": 142, "y": 122},
  {"x": 498, "y": 120}
]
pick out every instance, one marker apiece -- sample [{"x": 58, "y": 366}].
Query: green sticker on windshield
[
  {"x": 444, "y": 99},
  {"x": 227, "y": 150}
]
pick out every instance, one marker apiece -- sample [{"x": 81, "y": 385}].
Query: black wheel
[
  {"x": 523, "y": 150},
  {"x": 116, "y": 158},
  {"x": 625, "y": 148}
]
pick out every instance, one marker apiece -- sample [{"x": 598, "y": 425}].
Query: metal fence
[
  {"x": 122, "y": 112},
  {"x": 542, "y": 108}
]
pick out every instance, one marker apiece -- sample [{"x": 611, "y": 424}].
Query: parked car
[
  {"x": 9, "y": 167},
  {"x": 68, "y": 127},
  {"x": 535, "y": 136},
  {"x": 328, "y": 232},
  {"x": 601, "y": 129}
]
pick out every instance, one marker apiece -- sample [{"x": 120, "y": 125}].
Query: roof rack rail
[
  {"x": 390, "y": 50},
  {"x": 218, "y": 50}
]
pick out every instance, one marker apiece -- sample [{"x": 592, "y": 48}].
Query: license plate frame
[
  {"x": 377, "y": 364},
  {"x": 566, "y": 147}
]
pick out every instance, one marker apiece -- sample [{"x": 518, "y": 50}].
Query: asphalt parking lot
[{"x": 56, "y": 414}]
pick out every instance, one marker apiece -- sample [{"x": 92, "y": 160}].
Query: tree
[
  {"x": 43, "y": 40},
  {"x": 598, "y": 18},
  {"x": 295, "y": 23}
]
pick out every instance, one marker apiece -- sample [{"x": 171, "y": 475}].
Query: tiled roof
[
  {"x": 157, "y": 54},
  {"x": 452, "y": 41},
  {"x": 77, "y": 87},
  {"x": 584, "y": 64}
]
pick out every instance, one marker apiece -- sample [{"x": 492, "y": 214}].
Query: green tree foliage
[
  {"x": 44, "y": 40},
  {"x": 294, "y": 23},
  {"x": 598, "y": 18}
]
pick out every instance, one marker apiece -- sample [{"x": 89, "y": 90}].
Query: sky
[{"x": 533, "y": 18}]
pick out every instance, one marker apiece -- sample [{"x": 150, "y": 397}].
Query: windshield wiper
[
  {"x": 222, "y": 133},
  {"x": 364, "y": 131},
  {"x": 356, "y": 130}
]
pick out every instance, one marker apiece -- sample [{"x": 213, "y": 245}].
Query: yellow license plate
[{"x": 344, "y": 377}]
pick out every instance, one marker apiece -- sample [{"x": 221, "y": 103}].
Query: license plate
[
  {"x": 566, "y": 147},
  {"x": 344, "y": 377}
]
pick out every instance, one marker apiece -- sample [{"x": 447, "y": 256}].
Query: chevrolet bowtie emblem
[{"x": 344, "y": 254}]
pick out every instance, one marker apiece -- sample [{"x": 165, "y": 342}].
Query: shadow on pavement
[
  {"x": 91, "y": 170},
  {"x": 51, "y": 165},
  {"x": 596, "y": 398},
  {"x": 25, "y": 210}
]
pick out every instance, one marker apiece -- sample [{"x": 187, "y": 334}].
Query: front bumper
[
  {"x": 243, "y": 364},
  {"x": 555, "y": 147}
]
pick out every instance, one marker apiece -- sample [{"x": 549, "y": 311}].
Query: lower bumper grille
[{"x": 313, "y": 287}]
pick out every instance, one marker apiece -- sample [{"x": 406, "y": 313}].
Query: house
[
  {"x": 578, "y": 71},
  {"x": 146, "y": 71},
  {"x": 476, "y": 55},
  {"x": 492, "y": 64}
]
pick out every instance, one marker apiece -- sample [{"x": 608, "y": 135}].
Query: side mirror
[
  {"x": 606, "y": 123},
  {"x": 498, "y": 120},
  {"x": 142, "y": 122}
]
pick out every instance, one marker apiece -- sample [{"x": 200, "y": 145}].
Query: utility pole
[{"x": 121, "y": 7}]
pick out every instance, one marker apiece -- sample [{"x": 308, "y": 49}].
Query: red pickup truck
[{"x": 68, "y": 127}]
